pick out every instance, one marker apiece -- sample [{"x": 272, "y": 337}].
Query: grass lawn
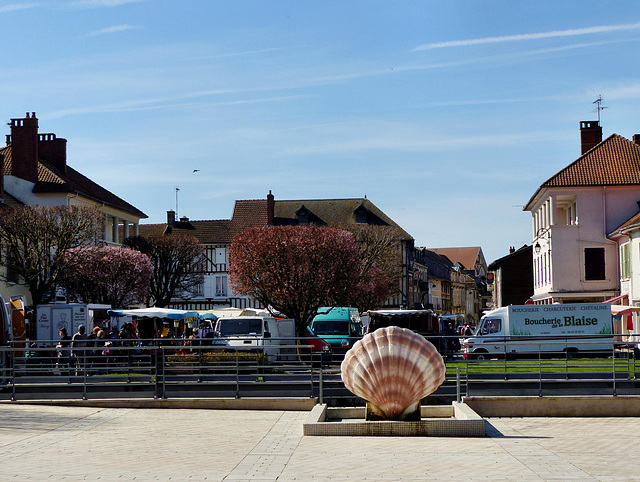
[{"x": 561, "y": 365}]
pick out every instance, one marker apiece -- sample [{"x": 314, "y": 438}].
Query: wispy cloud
[
  {"x": 236, "y": 54},
  {"x": 155, "y": 104},
  {"x": 13, "y": 7},
  {"x": 112, "y": 29},
  {"x": 102, "y": 3},
  {"x": 530, "y": 36},
  {"x": 629, "y": 91}
]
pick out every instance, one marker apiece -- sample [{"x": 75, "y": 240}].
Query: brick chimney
[
  {"x": 53, "y": 150},
  {"x": 636, "y": 138},
  {"x": 271, "y": 207},
  {"x": 171, "y": 217},
  {"x": 1, "y": 178},
  {"x": 24, "y": 147},
  {"x": 590, "y": 135}
]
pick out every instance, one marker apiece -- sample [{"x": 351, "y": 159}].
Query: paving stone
[{"x": 80, "y": 443}]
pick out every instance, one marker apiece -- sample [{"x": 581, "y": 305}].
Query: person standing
[
  {"x": 63, "y": 352},
  {"x": 79, "y": 349}
]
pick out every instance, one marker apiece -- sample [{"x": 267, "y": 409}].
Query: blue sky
[{"x": 448, "y": 115}]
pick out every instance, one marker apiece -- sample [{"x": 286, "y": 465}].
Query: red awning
[{"x": 617, "y": 298}]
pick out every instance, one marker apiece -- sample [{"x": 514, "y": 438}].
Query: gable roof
[
  {"x": 498, "y": 262},
  {"x": 252, "y": 213},
  {"x": 248, "y": 214},
  {"x": 465, "y": 256},
  {"x": 51, "y": 180},
  {"x": 207, "y": 232},
  {"x": 613, "y": 162}
]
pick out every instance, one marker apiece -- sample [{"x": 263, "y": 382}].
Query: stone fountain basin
[{"x": 455, "y": 420}]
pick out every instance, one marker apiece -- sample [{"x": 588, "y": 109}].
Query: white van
[
  {"x": 545, "y": 329},
  {"x": 276, "y": 338}
]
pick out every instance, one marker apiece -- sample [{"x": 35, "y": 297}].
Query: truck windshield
[
  {"x": 331, "y": 327},
  {"x": 489, "y": 326},
  {"x": 239, "y": 327}
]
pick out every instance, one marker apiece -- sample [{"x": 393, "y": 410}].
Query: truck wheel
[
  {"x": 481, "y": 355},
  {"x": 571, "y": 353}
]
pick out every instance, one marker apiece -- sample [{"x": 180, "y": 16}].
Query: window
[
  {"x": 198, "y": 290},
  {"x": 624, "y": 261},
  {"x": 566, "y": 212},
  {"x": 490, "y": 326},
  {"x": 221, "y": 286},
  {"x": 12, "y": 273},
  {"x": 572, "y": 214},
  {"x": 594, "y": 267}
]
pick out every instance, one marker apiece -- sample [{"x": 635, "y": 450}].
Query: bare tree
[
  {"x": 35, "y": 241},
  {"x": 178, "y": 265},
  {"x": 381, "y": 263}
]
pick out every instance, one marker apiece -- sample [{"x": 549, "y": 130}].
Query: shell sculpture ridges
[{"x": 393, "y": 368}]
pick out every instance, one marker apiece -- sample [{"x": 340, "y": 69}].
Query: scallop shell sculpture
[{"x": 393, "y": 369}]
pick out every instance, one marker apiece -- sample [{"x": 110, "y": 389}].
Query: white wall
[{"x": 600, "y": 210}]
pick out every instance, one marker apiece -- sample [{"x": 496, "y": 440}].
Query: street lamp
[{"x": 542, "y": 232}]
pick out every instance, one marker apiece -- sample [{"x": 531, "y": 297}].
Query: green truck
[{"x": 340, "y": 327}]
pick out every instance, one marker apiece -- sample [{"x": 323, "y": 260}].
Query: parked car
[{"x": 319, "y": 347}]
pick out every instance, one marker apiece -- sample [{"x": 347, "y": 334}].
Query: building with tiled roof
[
  {"x": 215, "y": 237},
  {"x": 512, "y": 282},
  {"x": 325, "y": 212},
  {"x": 576, "y": 210},
  {"x": 35, "y": 172},
  {"x": 470, "y": 258}
]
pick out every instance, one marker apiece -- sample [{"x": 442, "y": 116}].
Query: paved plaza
[{"x": 83, "y": 443}]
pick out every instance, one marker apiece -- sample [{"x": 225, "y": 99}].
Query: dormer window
[
  {"x": 303, "y": 215},
  {"x": 361, "y": 215}
]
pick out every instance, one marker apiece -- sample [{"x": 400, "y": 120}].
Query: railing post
[
  {"x": 505, "y": 357},
  {"x": 540, "y": 370},
  {"x": 84, "y": 373},
  {"x": 237, "y": 376},
  {"x": 311, "y": 372},
  {"x": 164, "y": 382},
  {"x": 613, "y": 360},
  {"x": 320, "y": 383},
  {"x": 12, "y": 364},
  {"x": 458, "y": 398}
]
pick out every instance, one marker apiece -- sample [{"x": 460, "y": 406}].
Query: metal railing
[{"x": 180, "y": 368}]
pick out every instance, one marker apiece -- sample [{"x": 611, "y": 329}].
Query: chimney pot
[
  {"x": 53, "y": 150},
  {"x": 24, "y": 148},
  {"x": 271, "y": 204},
  {"x": 590, "y": 135},
  {"x": 171, "y": 217}
]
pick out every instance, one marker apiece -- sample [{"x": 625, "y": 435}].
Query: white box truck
[
  {"x": 274, "y": 337},
  {"x": 50, "y": 318},
  {"x": 528, "y": 330}
]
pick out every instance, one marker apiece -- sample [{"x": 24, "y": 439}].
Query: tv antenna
[
  {"x": 177, "y": 191},
  {"x": 599, "y": 106}
]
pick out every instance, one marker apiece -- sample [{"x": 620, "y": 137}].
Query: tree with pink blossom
[
  {"x": 295, "y": 269},
  {"x": 113, "y": 275}
]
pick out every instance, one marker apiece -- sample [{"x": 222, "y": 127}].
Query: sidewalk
[{"x": 80, "y": 443}]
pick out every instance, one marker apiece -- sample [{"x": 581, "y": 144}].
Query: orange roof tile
[
  {"x": 50, "y": 180},
  {"x": 613, "y": 162},
  {"x": 465, "y": 256}
]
